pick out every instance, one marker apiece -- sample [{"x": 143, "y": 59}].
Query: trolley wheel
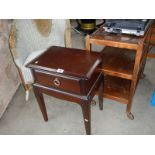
[
  {"x": 130, "y": 115},
  {"x": 142, "y": 76},
  {"x": 93, "y": 102}
]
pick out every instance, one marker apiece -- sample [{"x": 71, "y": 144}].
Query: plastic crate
[{"x": 153, "y": 99}]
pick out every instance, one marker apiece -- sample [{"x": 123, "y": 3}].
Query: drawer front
[{"x": 63, "y": 83}]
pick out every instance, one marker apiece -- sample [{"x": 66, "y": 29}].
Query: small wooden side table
[
  {"x": 124, "y": 59},
  {"x": 68, "y": 74}
]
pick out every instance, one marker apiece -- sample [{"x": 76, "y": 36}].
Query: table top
[
  {"x": 67, "y": 61},
  {"x": 119, "y": 39}
]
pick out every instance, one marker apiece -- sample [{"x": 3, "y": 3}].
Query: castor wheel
[
  {"x": 93, "y": 102},
  {"x": 142, "y": 76},
  {"x": 130, "y": 115}
]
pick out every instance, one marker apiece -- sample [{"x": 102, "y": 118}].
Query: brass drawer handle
[{"x": 56, "y": 82}]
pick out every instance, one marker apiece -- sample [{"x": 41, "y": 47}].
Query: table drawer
[{"x": 57, "y": 81}]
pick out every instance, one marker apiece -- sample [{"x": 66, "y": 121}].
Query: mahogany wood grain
[
  {"x": 77, "y": 82},
  {"x": 100, "y": 94},
  {"x": 66, "y": 83},
  {"x": 68, "y": 60},
  {"x": 41, "y": 103},
  {"x": 85, "y": 105}
]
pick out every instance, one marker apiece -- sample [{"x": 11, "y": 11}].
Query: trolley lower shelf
[
  {"x": 118, "y": 62},
  {"x": 116, "y": 88}
]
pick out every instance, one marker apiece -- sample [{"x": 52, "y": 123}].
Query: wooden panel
[
  {"x": 73, "y": 62},
  {"x": 102, "y": 37},
  {"x": 56, "y": 81},
  {"x": 151, "y": 55},
  {"x": 152, "y": 42},
  {"x": 116, "y": 40},
  {"x": 118, "y": 62},
  {"x": 152, "y": 39},
  {"x": 117, "y": 88},
  {"x": 99, "y": 41}
]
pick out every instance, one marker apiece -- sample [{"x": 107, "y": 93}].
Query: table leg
[
  {"x": 142, "y": 76},
  {"x": 100, "y": 95},
  {"x": 136, "y": 70},
  {"x": 85, "y": 105},
  {"x": 129, "y": 105},
  {"x": 41, "y": 103},
  {"x": 88, "y": 44},
  {"x": 128, "y": 109}
]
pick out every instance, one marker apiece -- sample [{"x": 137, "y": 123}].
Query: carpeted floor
[{"x": 65, "y": 118}]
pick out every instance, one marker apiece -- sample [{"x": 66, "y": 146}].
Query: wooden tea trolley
[{"x": 124, "y": 59}]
